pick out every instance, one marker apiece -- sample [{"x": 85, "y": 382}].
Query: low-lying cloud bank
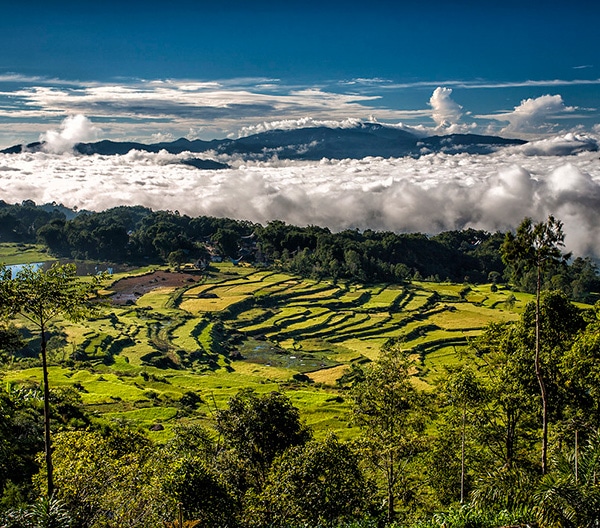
[{"x": 430, "y": 194}]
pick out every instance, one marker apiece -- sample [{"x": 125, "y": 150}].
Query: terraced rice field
[
  {"x": 241, "y": 326},
  {"x": 273, "y": 319}
]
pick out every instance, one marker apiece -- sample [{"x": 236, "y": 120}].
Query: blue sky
[{"x": 161, "y": 70}]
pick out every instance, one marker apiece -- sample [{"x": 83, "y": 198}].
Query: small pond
[{"x": 83, "y": 268}]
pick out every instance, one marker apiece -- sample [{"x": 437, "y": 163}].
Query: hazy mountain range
[{"x": 315, "y": 143}]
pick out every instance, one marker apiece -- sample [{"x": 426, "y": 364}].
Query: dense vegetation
[
  {"x": 140, "y": 235},
  {"x": 466, "y": 454},
  {"x": 458, "y": 448}
]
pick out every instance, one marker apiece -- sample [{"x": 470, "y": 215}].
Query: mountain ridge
[{"x": 309, "y": 143}]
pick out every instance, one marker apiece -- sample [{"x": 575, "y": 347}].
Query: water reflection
[
  {"x": 83, "y": 268},
  {"x": 16, "y": 268}
]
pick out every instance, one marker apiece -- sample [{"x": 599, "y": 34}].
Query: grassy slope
[
  {"x": 13, "y": 253},
  {"x": 282, "y": 326}
]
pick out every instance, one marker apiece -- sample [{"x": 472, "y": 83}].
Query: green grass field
[
  {"x": 13, "y": 253},
  {"x": 244, "y": 327}
]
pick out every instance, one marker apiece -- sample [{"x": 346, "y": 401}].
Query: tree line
[{"x": 139, "y": 235}]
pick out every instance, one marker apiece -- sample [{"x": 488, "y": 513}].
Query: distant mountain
[
  {"x": 466, "y": 143},
  {"x": 315, "y": 143},
  {"x": 17, "y": 149},
  {"x": 109, "y": 148},
  {"x": 323, "y": 142}
]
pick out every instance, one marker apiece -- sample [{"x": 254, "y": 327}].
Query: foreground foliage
[
  {"x": 40, "y": 297},
  {"x": 422, "y": 454}
]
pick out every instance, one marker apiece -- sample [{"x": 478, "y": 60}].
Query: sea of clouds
[{"x": 433, "y": 193}]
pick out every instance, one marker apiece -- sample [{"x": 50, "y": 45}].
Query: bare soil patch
[{"x": 130, "y": 289}]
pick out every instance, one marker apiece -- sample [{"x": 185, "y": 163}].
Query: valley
[{"x": 165, "y": 336}]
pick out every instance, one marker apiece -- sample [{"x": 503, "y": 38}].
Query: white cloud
[
  {"x": 137, "y": 109},
  {"x": 295, "y": 124},
  {"x": 307, "y": 122},
  {"x": 483, "y": 85},
  {"x": 74, "y": 129},
  {"x": 534, "y": 115},
  {"x": 433, "y": 193},
  {"x": 447, "y": 113},
  {"x": 566, "y": 145}
]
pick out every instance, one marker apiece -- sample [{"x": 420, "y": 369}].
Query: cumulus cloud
[
  {"x": 535, "y": 115},
  {"x": 566, "y": 145},
  {"x": 429, "y": 194},
  {"x": 74, "y": 129},
  {"x": 445, "y": 111}
]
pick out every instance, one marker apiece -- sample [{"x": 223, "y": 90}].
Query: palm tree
[{"x": 569, "y": 496}]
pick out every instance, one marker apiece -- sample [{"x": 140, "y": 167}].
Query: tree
[
  {"x": 391, "y": 413},
  {"x": 560, "y": 322},
  {"x": 40, "y": 297},
  {"x": 197, "y": 489},
  {"x": 227, "y": 241},
  {"x": 110, "y": 480},
  {"x": 177, "y": 258},
  {"x": 536, "y": 246},
  {"x": 189, "y": 480},
  {"x": 317, "y": 484},
  {"x": 21, "y": 439},
  {"x": 259, "y": 428},
  {"x": 463, "y": 392},
  {"x": 509, "y": 416}
]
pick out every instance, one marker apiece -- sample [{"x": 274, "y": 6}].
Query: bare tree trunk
[
  {"x": 510, "y": 438},
  {"x": 576, "y": 456},
  {"x": 390, "y": 489},
  {"x": 538, "y": 373},
  {"x": 47, "y": 443},
  {"x": 462, "y": 457}
]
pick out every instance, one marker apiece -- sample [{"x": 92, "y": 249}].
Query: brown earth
[{"x": 130, "y": 289}]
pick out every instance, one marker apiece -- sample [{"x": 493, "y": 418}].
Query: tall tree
[
  {"x": 391, "y": 413},
  {"x": 40, "y": 297},
  {"x": 536, "y": 246},
  {"x": 463, "y": 392},
  {"x": 258, "y": 428},
  {"x": 510, "y": 416}
]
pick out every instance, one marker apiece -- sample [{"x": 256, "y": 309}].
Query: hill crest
[{"x": 310, "y": 143}]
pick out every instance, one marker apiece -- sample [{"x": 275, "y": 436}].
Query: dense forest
[{"x": 140, "y": 235}]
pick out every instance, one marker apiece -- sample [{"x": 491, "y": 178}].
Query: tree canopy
[{"x": 40, "y": 297}]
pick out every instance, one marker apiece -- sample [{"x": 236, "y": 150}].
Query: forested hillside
[{"x": 139, "y": 235}]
